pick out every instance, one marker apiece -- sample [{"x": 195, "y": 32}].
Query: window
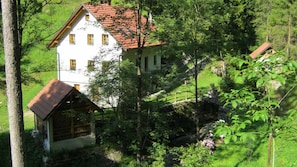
[
  {"x": 77, "y": 86},
  {"x": 146, "y": 64},
  {"x": 155, "y": 60},
  {"x": 72, "y": 64},
  {"x": 72, "y": 39},
  {"x": 91, "y": 65},
  {"x": 87, "y": 17},
  {"x": 90, "y": 39},
  {"x": 95, "y": 93},
  {"x": 105, "y": 66},
  {"x": 104, "y": 39}
]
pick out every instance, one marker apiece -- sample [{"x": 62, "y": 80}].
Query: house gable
[{"x": 120, "y": 22}]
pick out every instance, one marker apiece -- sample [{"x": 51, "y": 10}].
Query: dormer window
[{"x": 87, "y": 17}]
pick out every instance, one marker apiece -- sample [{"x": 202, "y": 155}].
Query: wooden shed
[
  {"x": 265, "y": 50},
  {"x": 64, "y": 118}
]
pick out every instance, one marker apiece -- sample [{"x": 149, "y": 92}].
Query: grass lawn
[
  {"x": 187, "y": 91},
  {"x": 29, "y": 91},
  {"x": 249, "y": 155}
]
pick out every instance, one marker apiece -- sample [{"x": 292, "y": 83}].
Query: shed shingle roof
[
  {"x": 50, "y": 98},
  {"x": 119, "y": 21}
]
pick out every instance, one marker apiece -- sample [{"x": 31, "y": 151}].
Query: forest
[{"x": 211, "y": 104}]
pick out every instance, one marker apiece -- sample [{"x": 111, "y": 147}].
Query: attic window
[
  {"x": 87, "y": 17},
  {"x": 104, "y": 39},
  {"x": 90, "y": 39},
  {"x": 71, "y": 39}
]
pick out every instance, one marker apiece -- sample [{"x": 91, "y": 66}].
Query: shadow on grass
[
  {"x": 243, "y": 153},
  {"x": 34, "y": 154},
  {"x": 182, "y": 73},
  {"x": 4, "y": 149}
]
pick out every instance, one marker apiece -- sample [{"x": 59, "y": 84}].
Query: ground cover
[
  {"x": 186, "y": 89},
  {"x": 255, "y": 153},
  {"x": 29, "y": 91}
]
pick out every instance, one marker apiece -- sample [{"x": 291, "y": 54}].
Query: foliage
[
  {"x": 193, "y": 155},
  {"x": 275, "y": 21},
  {"x": 256, "y": 100},
  {"x": 158, "y": 153}
]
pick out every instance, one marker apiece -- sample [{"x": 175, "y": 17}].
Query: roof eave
[
  {"x": 65, "y": 27},
  {"x": 146, "y": 46}
]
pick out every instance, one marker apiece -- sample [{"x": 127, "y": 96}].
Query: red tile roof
[
  {"x": 50, "y": 98},
  {"x": 260, "y": 50},
  {"x": 119, "y": 21}
]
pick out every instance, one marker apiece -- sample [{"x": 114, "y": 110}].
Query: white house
[{"x": 103, "y": 31}]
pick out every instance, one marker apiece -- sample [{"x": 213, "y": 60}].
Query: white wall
[
  {"x": 150, "y": 53},
  {"x": 82, "y": 52}
]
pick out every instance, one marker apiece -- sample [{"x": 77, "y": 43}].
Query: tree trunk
[
  {"x": 196, "y": 96},
  {"x": 13, "y": 82},
  {"x": 289, "y": 34},
  {"x": 139, "y": 86},
  {"x": 269, "y": 149}
]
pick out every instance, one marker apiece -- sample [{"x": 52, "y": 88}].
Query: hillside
[{"x": 38, "y": 64}]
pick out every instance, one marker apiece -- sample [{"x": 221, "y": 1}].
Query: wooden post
[{"x": 269, "y": 149}]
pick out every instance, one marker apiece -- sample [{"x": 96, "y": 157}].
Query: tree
[
  {"x": 13, "y": 81},
  {"x": 256, "y": 101},
  {"x": 275, "y": 22},
  {"x": 30, "y": 28},
  {"x": 191, "y": 29},
  {"x": 142, "y": 28}
]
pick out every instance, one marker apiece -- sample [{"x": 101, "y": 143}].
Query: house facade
[{"x": 97, "y": 34}]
